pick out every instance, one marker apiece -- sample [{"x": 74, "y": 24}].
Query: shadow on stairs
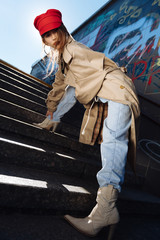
[{"x": 44, "y": 175}]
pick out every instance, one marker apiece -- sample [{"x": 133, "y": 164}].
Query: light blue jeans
[{"x": 114, "y": 147}]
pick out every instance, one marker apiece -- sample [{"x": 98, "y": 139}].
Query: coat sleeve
[{"x": 55, "y": 95}]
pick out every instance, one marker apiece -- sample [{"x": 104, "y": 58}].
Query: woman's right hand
[{"x": 49, "y": 114}]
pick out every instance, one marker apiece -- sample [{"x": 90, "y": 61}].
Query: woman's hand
[{"x": 49, "y": 114}]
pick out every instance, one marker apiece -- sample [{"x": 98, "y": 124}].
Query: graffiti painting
[{"x": 128, "y": 32}]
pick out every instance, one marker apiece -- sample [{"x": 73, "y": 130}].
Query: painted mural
[{"x": 129, "y": 33}]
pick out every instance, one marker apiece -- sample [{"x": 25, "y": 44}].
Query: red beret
[{"x": 47, "y": 21}]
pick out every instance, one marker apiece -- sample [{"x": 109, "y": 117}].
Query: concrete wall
[{"x": 129, "y": 33}]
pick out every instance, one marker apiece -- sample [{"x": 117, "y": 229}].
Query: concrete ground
[{"x": 23, "y": 226}]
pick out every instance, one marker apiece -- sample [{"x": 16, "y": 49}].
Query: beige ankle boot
[
  {"x": 48, "y": 124},
  {"x": 103, "y": 214}
]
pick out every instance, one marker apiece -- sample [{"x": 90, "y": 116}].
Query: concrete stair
[
  {"x": 26, "y": 188},
  {"x": 44, "y": 226},
  {"x": 52, "y": 173}
]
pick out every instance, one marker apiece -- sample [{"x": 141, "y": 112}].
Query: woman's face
[{"x": 51, "y": 39}]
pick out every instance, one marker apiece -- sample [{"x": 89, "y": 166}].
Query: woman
[{"x": 112, "y": 108}]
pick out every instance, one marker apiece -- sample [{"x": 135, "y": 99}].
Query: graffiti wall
[{"x": 129, "y": 33}]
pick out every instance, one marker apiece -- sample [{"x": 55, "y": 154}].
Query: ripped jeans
[{"x": 114, "y": 147}]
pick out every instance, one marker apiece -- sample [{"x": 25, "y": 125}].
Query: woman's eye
[{"x": 47, "y": 35}]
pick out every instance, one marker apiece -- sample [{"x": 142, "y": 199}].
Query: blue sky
[{"x": 20, "y": 42}]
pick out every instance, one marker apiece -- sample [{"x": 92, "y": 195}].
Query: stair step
[
  {"x": 22, "y": 92},
  {"x": 34, "y": 132},
  {"x": 26, "y": 188},
  {"x": 52, "y": 160},
  {"x": 22, "y": 101},
  {"x": 18, "y": 82},
  {"x": 38, "y": 226},
  {"x": 20, "y": 113},
  {"x": 23, "y": 77},
  {"x": 87, "y": 166},
  {"x": 30, "y": 116},
  {"x": 18, "y": 226},
  {"x": 22, "y": 188}
]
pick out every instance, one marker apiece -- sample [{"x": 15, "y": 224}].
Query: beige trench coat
[{"x": 92, "y": 75}]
